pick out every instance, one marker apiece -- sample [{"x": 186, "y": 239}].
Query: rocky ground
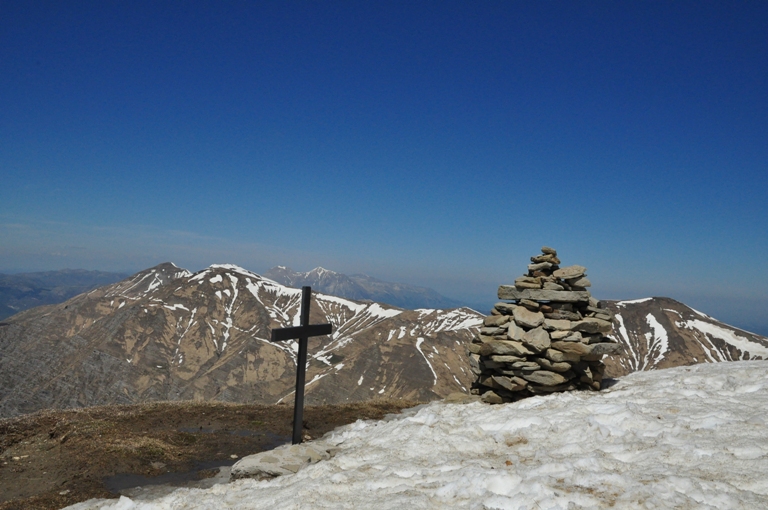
[{"x": 52, "y": 459}]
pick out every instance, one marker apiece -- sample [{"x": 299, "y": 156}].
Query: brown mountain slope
[
  {"x": 663, "y": 333},
  {"x": 164, "y": 334}
]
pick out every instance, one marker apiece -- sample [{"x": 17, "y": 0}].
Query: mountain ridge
[
  {"x": 660, "y": 332},
  {"x": 167, "y": 334},
  {"x": 362, "y": 287}
]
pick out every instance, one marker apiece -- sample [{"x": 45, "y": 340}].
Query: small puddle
[
  {"x": 123, "y": 481},
  {"x": 134, "y": 485}
]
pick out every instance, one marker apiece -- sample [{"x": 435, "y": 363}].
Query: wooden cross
[{"x": 302, "y": 333}]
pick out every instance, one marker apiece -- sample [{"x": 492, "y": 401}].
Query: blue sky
[{"x": 433, "y": 143}]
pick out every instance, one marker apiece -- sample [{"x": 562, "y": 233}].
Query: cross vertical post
[
  {"x": 302, "y": 333},
  {"x": 301, "y": 368}
]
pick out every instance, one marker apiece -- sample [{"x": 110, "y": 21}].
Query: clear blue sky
[{"x": 436, "y": 143}]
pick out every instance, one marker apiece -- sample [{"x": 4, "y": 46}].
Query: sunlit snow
[
  {"x": 633, "y": 301},
  {"x": 687, "y": 437},
  {"x": 738, "y": 341}
]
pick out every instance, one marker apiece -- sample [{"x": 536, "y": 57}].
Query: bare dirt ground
[{"x": 52, "y": 459}]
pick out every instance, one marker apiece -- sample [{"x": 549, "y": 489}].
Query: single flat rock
[
  {"x": 582, "y": 281},
  {"x": 283, "y": 460},
  {"x": 554, "y": 367},
  {"x": 496, "y": 320},
  {"x": 592, "y": 325},
  {"x": 537, "y": 339},
  {"x": 504, "y": 348},
  {"x": 562, "y": 296},
  {"x": 509, "y": 383},
  {"x": 606, "y": 348},
  {"x": 506, "y": 359},
  {"x": 490, "y": 397},
  {"x": 577, "y": 348},
  {"x": 515, "y": 332},
  {"x": 527, "y": 319},
  {"x": 541, "y": 266},
  {"x": 545, "y": 378},
  {"x": 557, "y": 324},
  {"x": 547, "y": 257},
  {"x": 505, "y": 308},
  {"x": 561, "y": 357},
  {"x": 566, "y": 273}
]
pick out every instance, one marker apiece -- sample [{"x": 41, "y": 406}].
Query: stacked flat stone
[{"x": 547, "y": 335}]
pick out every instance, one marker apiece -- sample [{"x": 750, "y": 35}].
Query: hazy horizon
[{"x": 437, "y": 144}]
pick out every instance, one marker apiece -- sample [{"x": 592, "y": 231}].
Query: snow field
[{"x": 688, "y": 437}]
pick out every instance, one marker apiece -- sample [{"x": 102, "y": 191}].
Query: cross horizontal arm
[{"x": 279, "y": 335}]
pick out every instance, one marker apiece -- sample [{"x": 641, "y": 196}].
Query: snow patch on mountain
[
  {"x": 658, "y": 341},
  {"x": 633, "y": 301},
  {"x": 729, "y": 336},
  {"x": 420, "y": 341},
  {"x": 451, "y": 320},
  {"x": 687, "y": 437}
]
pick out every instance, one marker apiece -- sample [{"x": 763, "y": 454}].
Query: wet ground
[{"x": 52, "y": 459}]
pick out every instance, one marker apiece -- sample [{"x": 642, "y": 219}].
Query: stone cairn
[{"x": 548, "y": 336}]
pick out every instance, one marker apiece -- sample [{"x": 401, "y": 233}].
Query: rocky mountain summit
[
  {"x": 661, "y": 333},
  {"x": 548, "y": 336},
  {"x": 167, "y": 334},
  {"x": 362, "y": 287}
]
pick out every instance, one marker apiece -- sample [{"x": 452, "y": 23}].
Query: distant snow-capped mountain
[
  {"x": 663, "y": 333},
  {"x": 167, "y": 334},
  {"x": 362, "y": 288}
]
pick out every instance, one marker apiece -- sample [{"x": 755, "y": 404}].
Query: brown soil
[{"x": 52, "y": 459}]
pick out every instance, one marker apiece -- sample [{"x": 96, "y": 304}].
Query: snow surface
[
  {"x": 687, "y": 437},
  {"x": 633, "y": 301}
]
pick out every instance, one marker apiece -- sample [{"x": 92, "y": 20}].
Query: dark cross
[{"x": 302, "y": 333}]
